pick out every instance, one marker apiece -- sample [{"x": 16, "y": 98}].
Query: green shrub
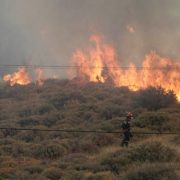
[
  {"x": 73, "y": 175},
  {"x": 50, "y": 120},
  {"x": 109, "y": 126},
  {"x": 153, "y": 120},
  {"x": 33, "y": 135},
  {"x": 152, "y": 172},
  {"x": 88, "y": 147},
  {"x": 90, "y": 166},
  {"x": 43, "y": 109},
  {"x": 53, "y": 173},
  {"x": 34, "y": 169},
  {"x": 147, "y": 152},
  {"x": 59, "y": 101},
  {"x": 25, "y": 112},
  {"x": 51, "y": 151},
  {"x": 109, "y": 111},
  {"x": 152, "y": 152},
  {"x": 99, "y": 176},
  {"x": 9, "y": 132},
  {"x": 28, "y": 122},
  {"x": 116, "y": 162},
  {"x": 103, "y": 139},
  {"x": 89, "y": 116},
  {"x": 38, "y": 109},
  {"x": 154, "y": 98},
  {"x": 28, "y": 136}
]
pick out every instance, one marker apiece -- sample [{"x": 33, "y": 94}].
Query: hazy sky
[{"x": 48, "y": 31}]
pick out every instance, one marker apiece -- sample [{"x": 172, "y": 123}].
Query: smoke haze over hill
[{"x": 48, "y": 32}]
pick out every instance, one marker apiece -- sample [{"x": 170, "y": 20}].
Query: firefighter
[{"x": 126, "y": 128}]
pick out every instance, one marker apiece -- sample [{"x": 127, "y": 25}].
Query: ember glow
[
  {"x": 20, "y": 77},
  {"x": 99, "y": 63}
]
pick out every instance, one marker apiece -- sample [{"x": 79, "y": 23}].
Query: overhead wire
[
  {"x": 85, "y": 131},
  {"x": 78, "y": 67}
]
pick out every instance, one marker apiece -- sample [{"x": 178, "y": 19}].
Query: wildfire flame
[
  {"x": 20, "y": 77},
  {"x": 99, "y": 63},
  {"x": 39, "y": 77},
  {"x": 130, "y": 28}
]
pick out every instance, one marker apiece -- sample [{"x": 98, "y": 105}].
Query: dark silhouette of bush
[
  {"x": 59, "y": 101},
  {"x": 27, "y": 136},
  {"x": 50, "y": 119},
  {"x": 28, "y": 122},
  {"x": 154, "y": 98},
  {"x": 25, "y": 112},
  {"x": 43, "y": 109},
  {"x": 9, "y": 132}
]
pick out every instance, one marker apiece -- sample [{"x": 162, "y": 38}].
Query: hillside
[{"x": 65, "y": 104}]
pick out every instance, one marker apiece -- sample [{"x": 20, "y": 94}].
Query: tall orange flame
[
  {"x": 20, "y": 77},
  {"x": 100, "y": 64}
]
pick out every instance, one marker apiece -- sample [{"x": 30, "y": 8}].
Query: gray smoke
[{"x": 47, "y": 32}]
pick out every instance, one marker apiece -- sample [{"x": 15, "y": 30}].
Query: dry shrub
[
  {"x": 153, "y": 120},
  {"x": 153, "y": 151},
  {"x": 147, "y": 152},
  {"x": 99, "y": 176},
  {"x": 152, "y": 172},
  {"x": 88, "y": 147},
  {"x": 36, "y": 169},
  {"x": 53, "y": 173},
  {"x": 103, "y": 140},
  {"x": 51, "y": 151}
]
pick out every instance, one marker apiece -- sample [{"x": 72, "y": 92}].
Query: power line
[
  {"x": 79, "y": 67},
  {"x": 85, "y": 131}
]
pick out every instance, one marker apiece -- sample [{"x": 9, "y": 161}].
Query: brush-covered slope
[{"x": 64, "y": 104}]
